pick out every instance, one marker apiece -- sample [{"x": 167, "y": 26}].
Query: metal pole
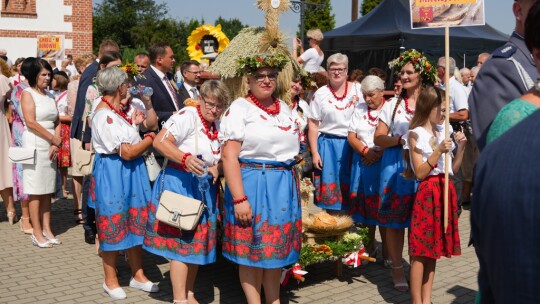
[{"x": 302, "y": 15}]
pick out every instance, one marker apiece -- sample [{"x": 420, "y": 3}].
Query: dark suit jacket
[
  {"x": 84, "y": 82},
  {"x": 505, "y": 215},
  {"x": 161, "y": 99},
  {"x": 184, "y": 94}
]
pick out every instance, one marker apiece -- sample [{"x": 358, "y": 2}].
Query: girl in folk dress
[{"x": 425, "y": 151}]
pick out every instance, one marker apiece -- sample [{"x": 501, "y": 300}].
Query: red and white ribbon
[
  {"x": 295, "y": 271},
  {"x": 353, "y": 258}
]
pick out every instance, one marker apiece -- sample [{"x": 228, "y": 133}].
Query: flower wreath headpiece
[
  {"x": 419, "y": 61},
  {"x": 248, "y": 65},
  {"x": 305, "y": 78},
  {"x": 132, "y": 70}
]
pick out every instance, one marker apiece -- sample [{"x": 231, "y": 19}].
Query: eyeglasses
[
  {"x": 261, "y": 77},
  {"x": 338, "y": 71},
  {"x": 211, "y": 105},
  {"x": 195, "y": 73}
]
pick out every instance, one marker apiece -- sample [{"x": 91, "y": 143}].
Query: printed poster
[
  {"x": 443, "y": 13},
  {"x": 50, "y": 47}
]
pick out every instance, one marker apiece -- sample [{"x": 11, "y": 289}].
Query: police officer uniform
[{"x": 506, "y": 75}]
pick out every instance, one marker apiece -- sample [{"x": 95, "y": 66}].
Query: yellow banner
[
  {"x": 441, "y": 2},
  {"x": 49, "y": 43}
]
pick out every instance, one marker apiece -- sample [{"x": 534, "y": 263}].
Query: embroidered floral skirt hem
[
  {"x": 193, "y": 247},
  {"x": 364, "y": 199},
  {"x": 120, "y": 191},
  {"x": 274, "y": 238},
  {"x": 427, "y": 237},
  {"x": 332, "y": 182},
  {"x": 396, "y": 192},
  {"x": 64, "y": 157}
]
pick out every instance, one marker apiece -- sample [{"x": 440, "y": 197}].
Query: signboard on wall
[
  {"x": 443, "y": 13},
  {"x": 50, "y": 47}
]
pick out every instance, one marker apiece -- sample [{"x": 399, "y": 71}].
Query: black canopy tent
[{"x": 377, "y": 38}]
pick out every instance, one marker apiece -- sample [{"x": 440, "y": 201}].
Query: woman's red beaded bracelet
[
  {"x": 240, "y": 200},
  {"x": 364, "y": 150},
  {"x": 151, "y": 135},
  {"x": 184, "y": 158}
]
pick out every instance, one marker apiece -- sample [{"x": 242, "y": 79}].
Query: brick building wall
[{"x": 22, "y": 20}]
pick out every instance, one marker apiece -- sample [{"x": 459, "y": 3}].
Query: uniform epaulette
[{"x": 506, "y": 51}]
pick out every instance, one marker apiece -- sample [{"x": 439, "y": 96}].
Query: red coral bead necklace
[
  {"x": 121, "y": 114},
  {"x": 211, "y": 135},
  {"x": 267, "y": 110},
  {"x": 344, "y": 94},
  {"x": 409, "y": 111},
  {"x": 369, "y": 112}
]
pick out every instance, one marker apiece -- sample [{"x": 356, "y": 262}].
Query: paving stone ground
[{"x": 72, "y": 273}]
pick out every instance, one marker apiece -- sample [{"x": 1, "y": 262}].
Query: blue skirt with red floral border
[
  {"x": 332, "y": 182},
  {"x": 274, "y": 239},
  {"x": 364, "y": 199},
  {"x": 193, "y": 247},
  {"x": 396, "y": 192},
  {"x": 120, "y": 190}
]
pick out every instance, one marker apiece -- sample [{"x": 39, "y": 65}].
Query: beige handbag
[
  {"x": 152, "y": 166},
  {"x": 82, "y": 160},
  {"x": 176, "y": 209}
]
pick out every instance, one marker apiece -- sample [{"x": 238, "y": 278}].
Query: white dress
[
  {"x": 40, "y": 178},
  {"x": 335, "y": 115},
  {"x": 263, "y": 137},
  {"x": 6, "y": 175}
]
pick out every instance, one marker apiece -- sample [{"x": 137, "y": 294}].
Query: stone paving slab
[{"x": 72, "y": 273}]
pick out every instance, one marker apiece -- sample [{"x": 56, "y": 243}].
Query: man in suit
[
  {"x": 506, "y": 75},
  {"x": 191, "y": 71},
  {"x": 166, "y": 99},
  {"x": 76, "y": 132},
  {"x": 142, "y": 61}
]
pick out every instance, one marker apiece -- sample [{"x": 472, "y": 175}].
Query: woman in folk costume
[
  {"x": 396, "y": 192},
  {"x": 331, "y": 110}
]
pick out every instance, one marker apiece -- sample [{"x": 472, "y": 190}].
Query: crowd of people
[{"x": 378, "y": 158}]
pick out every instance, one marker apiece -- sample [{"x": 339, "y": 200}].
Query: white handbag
[
  {"x": 179, "y": 211},
  {"x": 22, "y": 155},
  {"x": 82, "y": 160},
  {"x": 152, "y": 166}
]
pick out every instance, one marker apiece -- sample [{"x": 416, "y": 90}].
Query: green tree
[
  {"x": 114, "y": 19},
  {"x": 320, "y": 17},
  {"x": 230, "y": 27},
  {"x": 368, "y": 5}
]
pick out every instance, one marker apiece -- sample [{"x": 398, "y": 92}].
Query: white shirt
[
  {"x": 335, "y": 115},
  {"x": 182, "y": 126},
  {"x": 312, "y": 60},
  {"x": 427, "y": 144},
  {"x": 188, "y": 88},
  {"x": 72, "y": 70},
  {"x": 62, "y": 104},
  {"x": 263, "y": 136},
  {"x": 362, "y": 125},
  {"x": 110, "y": 131},
  {"x": 136, "y": 104},
  {"x": 162, "y": 76},
  {"x": 458, "y": 96},
  {"x": 400, "y": 125}
]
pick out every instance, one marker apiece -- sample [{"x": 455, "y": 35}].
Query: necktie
[
  {"x": 173, "y": 93},
  {"x": 194, "y": 93}
]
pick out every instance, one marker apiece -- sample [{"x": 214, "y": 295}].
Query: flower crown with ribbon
[
  {"x": 248, "y": 65},
  {"x": 420, "y": 63}
]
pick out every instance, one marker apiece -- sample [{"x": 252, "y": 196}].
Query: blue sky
[{"x": 498, "y": 13}]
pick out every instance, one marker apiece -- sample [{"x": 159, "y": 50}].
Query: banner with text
[
  {"x": 442, "y": 13},
  {"x": 50, "y": 47}
]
